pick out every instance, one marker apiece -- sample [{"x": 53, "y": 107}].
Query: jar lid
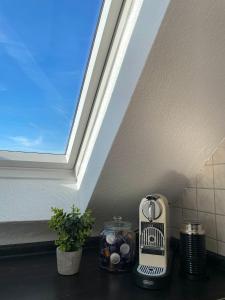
[
  {"x": 117, "y": 224},
  {"x": 192, "y": 227}
]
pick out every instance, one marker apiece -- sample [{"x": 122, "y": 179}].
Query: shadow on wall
[{"x": 171, "y": 185}]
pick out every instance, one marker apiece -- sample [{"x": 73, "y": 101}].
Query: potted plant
[{"x": 72, "y": 230}]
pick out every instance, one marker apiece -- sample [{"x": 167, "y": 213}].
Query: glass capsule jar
[{"x": 117, "y": 246}]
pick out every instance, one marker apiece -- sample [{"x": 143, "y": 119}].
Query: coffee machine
[{"x": 154, "y": 250}]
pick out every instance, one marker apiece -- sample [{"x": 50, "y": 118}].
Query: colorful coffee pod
[{"x": 106, "y": 252}]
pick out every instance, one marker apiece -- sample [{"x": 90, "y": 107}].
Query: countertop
[{"x": 34, "y": 277}]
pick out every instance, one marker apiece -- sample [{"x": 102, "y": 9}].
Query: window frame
[{"x": 102, "y": 42}]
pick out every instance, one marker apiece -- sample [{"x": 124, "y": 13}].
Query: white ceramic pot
[{"x": 68, "y": 263}]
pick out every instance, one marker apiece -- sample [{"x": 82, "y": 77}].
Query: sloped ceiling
[{"x": 177, "y": 114}]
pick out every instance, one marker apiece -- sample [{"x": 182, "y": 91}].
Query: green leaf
[{"x": 72, "y": 228}]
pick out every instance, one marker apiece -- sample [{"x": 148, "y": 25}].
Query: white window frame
[
  {"x": 102, "y": 42},
  {"x": 121, "y": 39},
  {"x": 135, "y": 33},
  {"x": 106, "y": 92}
]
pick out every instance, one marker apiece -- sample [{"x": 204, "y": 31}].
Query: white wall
[
  {"x": 25, "y": 205},
  {"x": 176, "y": 117},
  {"x": 32, "y": 199},
  {"x": 25, "y": 232}
]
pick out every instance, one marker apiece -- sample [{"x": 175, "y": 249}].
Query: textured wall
[{"x": 176, "y": 117}]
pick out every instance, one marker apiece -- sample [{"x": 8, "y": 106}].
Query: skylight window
[{"x": 44, "y": 52}]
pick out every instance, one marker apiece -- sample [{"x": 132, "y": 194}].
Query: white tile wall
[
  {"x": 220, "y": 201},
  {"x": 220, "y": 223},
  {"x": 192, "y": 182},
  {"x": 204, "y": 199},
  {"x": 209, "y": 223},
  {"x": 209, "y": 161},
  {"x": 205, "y": 178},
  {"x": 189, "y": 198},
  {"x": 211, "y": 245},
  {"x": 219, "y": 176},
  {"x": 189, "y": 214},
  {"x": 221, "y": 248},
  {"x": 219, "y": 156}
]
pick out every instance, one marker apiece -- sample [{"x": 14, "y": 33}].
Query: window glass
[{"x": 44, "y": 51}]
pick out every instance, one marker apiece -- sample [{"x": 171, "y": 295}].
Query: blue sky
[{"x": 44, "y": 49}]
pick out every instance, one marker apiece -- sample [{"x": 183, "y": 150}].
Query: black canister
[{"x": 193, "y": 250}]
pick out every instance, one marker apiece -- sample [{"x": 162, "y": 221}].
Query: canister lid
[
  {"x": 117, "y": 224},
  {"x": 192, "y": 227}
]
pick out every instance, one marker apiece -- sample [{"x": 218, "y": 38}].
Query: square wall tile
[
  {"x": 209, "y": 223},
  {"x": 190, "y": 214},
  {"x": 220, "y": 223},
  {"x": 211, "y": 245},
  {"x": 221, "y": 248},
  {"x": 205, "y": 200},
  {"x": 205, "y": 178},
  {"x": 220, "y": 201},
  {"x": 176, "y": 217},
  {"x": 219, "y": 155},
  {"x": 189, "y": 198},
  {"x": 219, "y": 176}
]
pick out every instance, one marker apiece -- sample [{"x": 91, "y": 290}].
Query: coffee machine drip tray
[{"x": 151, "y": 271}]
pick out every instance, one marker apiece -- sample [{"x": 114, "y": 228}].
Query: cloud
[
  {"x": 27, "y": 142},
  {"x": 60, "y": 110}
]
